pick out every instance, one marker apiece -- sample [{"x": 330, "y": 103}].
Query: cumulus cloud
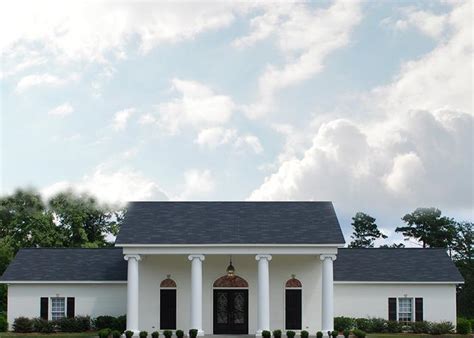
[
  {"x": 197, "y": 106},
  {"x": 217, "y": 136},
  {"x": 40, "y": 80},
  {"x": 305, "y": 36},
  {"x": 121, "y": 118},
  {"x": 62, "y": 110},
  {"x": 198, "y": 184},
  {"x": 117, "y": 187}
]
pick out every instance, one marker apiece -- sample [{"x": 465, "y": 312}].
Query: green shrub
[
  {"x": 276, "y": 333},
  {"x": 343, "y": 323},
  {"x": 363, "y": 324},
  {"x": 463, "y": 326},
  {"x": 441, "y": 328},
  {"x": 116, "y": 334},
  {"x": 304, "y": 334},
  {"x": 394, "y": 327},
  {"x": 472, "y": 324},
  {"x": 420, "y": 327},
  {"x": 129, "y": 334},
  {"x": 266, "y": 334},
  {"x": 167, "y": 333},
  {"x": 290, "y": 334},
  {"x": 104, "y": 333},
  {"x": 143, "y": 334},
  {"x": 76, "y": 324},
  {"x": 179, "y": 333},
  {"x": 155, "y": 334},
  {"x": 346, "y": 333},
  {"x": 42, "y": 325},
  {"x": 105, "y": 322},
  {"x": 359, "y": 333},
  {"x": 319, "y": 334},
  {"x": 193, "y": 333},
  {"x": 377, "y": 325},
  {"x": 22, "y": 325},
  {"x": 334, "y": 334},
  {"x": 3, "y": 323},
  {"x": 120, "y": 323}
]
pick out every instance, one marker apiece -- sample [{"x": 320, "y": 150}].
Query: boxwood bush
[
  {"x": 42, "y": 325},
  {"x": 193, "y": 333},
  {"x": 463, "y": 326},
  {"x": 116, "y": 334},
  {"x": 129, "y": 334},
  {"x": 76, "y": 324},
  {"x": 179, "y": 333},
  {"x": 343, "y": 323},
  {"x": 290, "y": 334},
  {"x": 359, "y": 333},
  {"x": 319, "y": 334},
  {"x": 276, "y": 333},
  {"x": 155, "y": 334},
  {"x": 22, "y": 325},
  {"x": 110, "y": 322},
  {"x": 304, "y": 334},
  {"x": 441, "y": 328},
  {"x": 104, "y": 333},
  {"x": 266, "y": 334}
]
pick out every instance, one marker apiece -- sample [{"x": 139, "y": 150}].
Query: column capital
[
  {"x": 324, "y": 257},
  {"x": 267, "y": 257},
  {"x": 193, "y": 257},
  {"x": 134, "y": 256}
]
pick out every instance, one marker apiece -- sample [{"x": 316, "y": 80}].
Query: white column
[
  {"x": 327, "y": 316},
  {"x": 196, "y": 292},
  {"x": 263, "y": 293},
  {"x": 132, "y": 293}
]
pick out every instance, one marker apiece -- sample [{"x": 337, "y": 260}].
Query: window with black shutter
[
  {"x": 168, "y": 309},
  {"x": 392, "y": 309},
  {"x": 44, "y": 302},
  {"x": 419, "y": 309},
  {"x": 70, "y": 308}
]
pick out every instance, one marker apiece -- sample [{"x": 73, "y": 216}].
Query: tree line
[
  {"x": 428, "y": 228},
  {"x": 79, "y": 220}
]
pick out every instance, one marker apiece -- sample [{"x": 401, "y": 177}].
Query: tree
[
  {"x": 463, "y": 243},
  {"x": 393, "y": 246},
  {"x": 427, "y": 226},
  {"x": 365, "y": 231},
  {"x": 83, "y": 221}
]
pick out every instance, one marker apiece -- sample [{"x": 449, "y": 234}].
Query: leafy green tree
[
  {"x": 393, "y": 246},
  {"x": 83, "y": 222},
  {"x": 365, "y": 231},
  {"x": 427, "y": 226},
  {"x": 463, "y": 243}
]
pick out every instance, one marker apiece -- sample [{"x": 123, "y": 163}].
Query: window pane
[
  {"x": 58, "y": 308},
  {"x": 405, "y": 309}
]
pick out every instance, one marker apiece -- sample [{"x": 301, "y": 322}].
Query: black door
[
  {"x": 168, "y": 309},
  {"x": 231, "y": 311},
  {"x": 293, "y": 309}
]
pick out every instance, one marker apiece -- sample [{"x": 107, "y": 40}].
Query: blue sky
[{"x": 367, "y": 104}]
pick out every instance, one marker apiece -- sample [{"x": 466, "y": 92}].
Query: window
[
  {"x": 58, "y": 308},
  {"x": 405, "y": 309}
]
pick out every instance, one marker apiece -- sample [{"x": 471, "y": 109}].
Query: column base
[
  {"x": 259, "y": 333},
  {"x": 200, "y": 333}
]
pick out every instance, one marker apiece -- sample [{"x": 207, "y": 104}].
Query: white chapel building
[{"x": 232, "y": 268}]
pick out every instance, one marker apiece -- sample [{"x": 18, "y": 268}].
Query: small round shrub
[
  {"x": 104, "y": 333},
  {"x": 22, "y": 325},
  {"x": 334, "y": 334},
  {"x": 266, "y": 334},
  {"x": 3, "y": 323},
  {"x": 359, "y": 333},
  {"x": 276, "y": 333},
  {"x": 167, "y": 333},
  {"x": 441, "y": 328},
  {"x": 464, "y": 326},
  {"x": 343, "y": 323},
  {"x": 290, "y": 334},
  {"x": 319, "y": 334},
  {"x": 116, "y": 334},
  {"x": 304, "y": 334},
  {"x": 193, "y": 333},
  {"x": 143, "y": 334},
  {"x": 155, "y": 334},
  {"x": 129, "y": 334},
  {"x": 179, "y": 333},
  {"x": 346, "y": 333}
]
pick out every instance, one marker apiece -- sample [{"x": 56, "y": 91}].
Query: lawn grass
[{"x": 90, "y": 334}]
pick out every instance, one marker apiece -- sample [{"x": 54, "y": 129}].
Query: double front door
[{"x": 231, "y": 311}]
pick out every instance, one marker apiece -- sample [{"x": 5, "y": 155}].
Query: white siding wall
[
  {"x": 153, "y": 269},
  {"x": 371, "y": 300},
  {"x": 90, "y": 299}
]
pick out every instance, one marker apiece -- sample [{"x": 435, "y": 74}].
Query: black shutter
[
  {"x": 293, "y": 309},
  {"x": 168, "y": 309},
  {"x": 392, "y": 309},
  {"x": 70, "y": 307},
  {"x": 418, "y": 309},
  {"x": 44, "y": 302}
]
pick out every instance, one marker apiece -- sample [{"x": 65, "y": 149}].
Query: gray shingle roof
[
  {"x": 67, "y": 264},
  {"x": 230, "y": 223},
  {"x": 386, "y": 265}
]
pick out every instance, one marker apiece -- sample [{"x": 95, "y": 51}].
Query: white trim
[
  {"x": 63, "y": 282},
  {"x": 225, "y": 245},
  {"x": 230, "y": 288},
  {"x": 395, "y": 282},
  {"x": 230, "y": 250}
]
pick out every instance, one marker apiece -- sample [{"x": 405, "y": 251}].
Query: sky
[{"x": 367, "y": 104}]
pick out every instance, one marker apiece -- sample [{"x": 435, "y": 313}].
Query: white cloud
[
  {"x": 121, "y": 118},
  {"x": 197, "y": 106},
  {"x": 39, "y": 80},
  {"x": 62, "y": 110},
  {"x": 426, "y": 22},
  {"x": 306, "y": 36},
  {"x": 118, "y": 186},
  {"x": 198, "y": 184},
  {"x": 217, "y": 136}
]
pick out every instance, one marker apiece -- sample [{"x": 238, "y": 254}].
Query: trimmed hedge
[
  {"x": 359, "y": 333},
  {"x": 110, "y": 322},
  {"x": 23, "y": 325},
  {"x": 76, "y": 324}
]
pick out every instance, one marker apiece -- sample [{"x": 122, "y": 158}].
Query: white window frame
[
  {"x": 412, "y": 319},
  {"x": 52, "y": 313}
]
